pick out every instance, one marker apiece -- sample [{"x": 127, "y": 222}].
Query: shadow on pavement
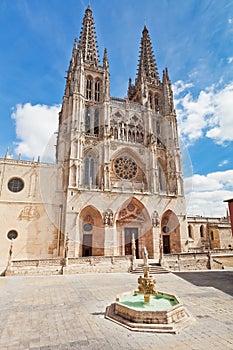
[{"x": 222, "y": 280}]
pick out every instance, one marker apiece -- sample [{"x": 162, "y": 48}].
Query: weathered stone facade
[
  {"x": 24, "y": 212},
  {"x": 120, "y": 158}
]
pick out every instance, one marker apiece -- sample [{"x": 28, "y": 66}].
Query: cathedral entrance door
[
  {"x": 87, "y": 245},
  {"x": 128, "y": 240},
  {"x": 166, "y": 244}
]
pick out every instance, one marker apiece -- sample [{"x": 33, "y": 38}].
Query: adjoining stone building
[
  {"x": 118, "y": 172},
  {"x": 25, "y": 216},
  {"x": 209, "y": 233}
]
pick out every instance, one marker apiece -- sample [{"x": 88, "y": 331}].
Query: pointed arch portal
[
  {"x": 170, "y": 227},
  {"x": 92, "y": 232},
  {"x": 133, "y": 220}
]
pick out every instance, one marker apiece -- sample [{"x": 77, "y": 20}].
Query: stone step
[{"x": 154, "y": 269}]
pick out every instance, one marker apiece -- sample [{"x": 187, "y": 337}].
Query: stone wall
[
  {"x": 187, "y": 261},
  {"x": 95, "y": 264},
  {"x": 197, "y": 261},
  {"x": 226, "y": 260}
]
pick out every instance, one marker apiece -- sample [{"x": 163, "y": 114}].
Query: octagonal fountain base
[{"x": 164, "y": 313}]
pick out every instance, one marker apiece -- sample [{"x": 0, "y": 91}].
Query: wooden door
[
  {"x": 166, "y": 244},
  {"x": 128, "y": 240},
  {"x": 87, "y": 245}
]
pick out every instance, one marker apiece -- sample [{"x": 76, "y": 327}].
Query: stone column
[
  {"x": 109, "y": 242},
  {"x": 156, "y": 238}
]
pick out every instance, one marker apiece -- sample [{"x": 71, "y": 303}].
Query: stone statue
[
  {"x": 145, "y": 257},
  {"x": 108, "y": 218},
  {"x": 155, "y": 219}
]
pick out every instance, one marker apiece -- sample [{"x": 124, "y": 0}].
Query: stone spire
[
  {"x": 105, "y": 59},
  {"x": 168, "y": 93},
  {"x": 87, "y": 41},
  {"x": 147, "y": 69}
]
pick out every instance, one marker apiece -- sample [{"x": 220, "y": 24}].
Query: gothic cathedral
[{"x": 119, "y": 161}]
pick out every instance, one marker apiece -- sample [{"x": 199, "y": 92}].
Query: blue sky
[{"x": 193, "y": 38}]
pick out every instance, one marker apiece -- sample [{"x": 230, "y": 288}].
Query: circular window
[
  {"x": 12, "y": 234},
  {"x": 125, "y": 168},
  {"x": 87, "y": 227},
  {"x": 15, "y": 184},
  {"x": 166, "y": 229}
]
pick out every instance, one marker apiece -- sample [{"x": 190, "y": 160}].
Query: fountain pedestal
[
  {"x": 146, "y": 284},
  {"x": 148, "y": 310}
]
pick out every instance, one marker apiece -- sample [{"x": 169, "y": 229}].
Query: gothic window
[
  {"x": 125, "y": 168},
  {"x": 166, "y": 229},
  {"x": 88, "y": 89},
  {"x": 97, "y": 91},
  {"x": 111, "y": 131},
  {"x": 156, "y": 102},
  {"x": 135, "y": 119},
  {"x": 12, "y": 234},
  {"x": 15, "y": 184},
  {"x": 160, "y": 179},
  {"x": 158, "y": 128},
  {"x": 130, "y": 135},
  {"x": 89, "y": 176},
  {"x": 88, "y": 120},
  {"x": 115, "y": 133},
  {"x": 162, "y": 182},
  {"x": 150, "y": 101},
  {"x": 87, "y": 227},
  {"x": 118, "y": 115},
  {"x": 212, "y": 235},
  {"x": 96, "y": 122},
  {"x": 190, "y": 231},
  {"x": 202, "y": 231}
]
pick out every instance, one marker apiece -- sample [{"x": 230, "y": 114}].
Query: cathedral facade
[
  {"x": 120, "y": 158},
  {"x": 117, "y": 182}
]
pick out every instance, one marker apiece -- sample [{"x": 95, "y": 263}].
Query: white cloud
[
  {"x": 210, "y": 114},
  {"x": 224, "y": 162},
  {"x": 180, "y": 86},
  {"x": 201, "y": 183},
  {"x": 230, "y": 59},
  {"x": 208, "y": 203},
  {"x": 35, "y": 125},
  {"x": 205, "y": 193},
  {"x": 222, "y": 129}
]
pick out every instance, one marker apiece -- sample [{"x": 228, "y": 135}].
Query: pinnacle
[
  {"x": 147, "y": 66},
  {"x": 87, "y": 40}
]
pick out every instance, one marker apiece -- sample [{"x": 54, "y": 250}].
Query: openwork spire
[
  {"x": 87, "y": 40},
  {"x": 147, "y": 69}
]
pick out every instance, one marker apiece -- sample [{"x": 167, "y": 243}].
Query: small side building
[{"x": 209, "y": 233}]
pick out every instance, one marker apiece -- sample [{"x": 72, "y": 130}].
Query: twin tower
[{"x": 118, "y": 160}]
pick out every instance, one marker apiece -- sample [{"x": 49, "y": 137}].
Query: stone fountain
[{"x": 147, "y": 309}]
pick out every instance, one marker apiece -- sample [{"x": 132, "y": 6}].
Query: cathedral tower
[{"x": 119, "y": 161}]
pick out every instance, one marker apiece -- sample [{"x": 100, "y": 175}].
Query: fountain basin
[{"x": 164, "y": 312}]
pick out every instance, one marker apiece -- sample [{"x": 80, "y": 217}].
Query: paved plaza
[{"x": 67, "y": 312}]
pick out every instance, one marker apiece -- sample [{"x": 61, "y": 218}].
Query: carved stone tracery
[
  {"x": 29, "y": 213},
  {"x": 125, "y": 168}
]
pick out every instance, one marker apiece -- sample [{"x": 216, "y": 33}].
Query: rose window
[{"x": 125, "y": 168}]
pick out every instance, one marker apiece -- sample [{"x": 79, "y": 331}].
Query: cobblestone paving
[{"x": 67, "y": 312}]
